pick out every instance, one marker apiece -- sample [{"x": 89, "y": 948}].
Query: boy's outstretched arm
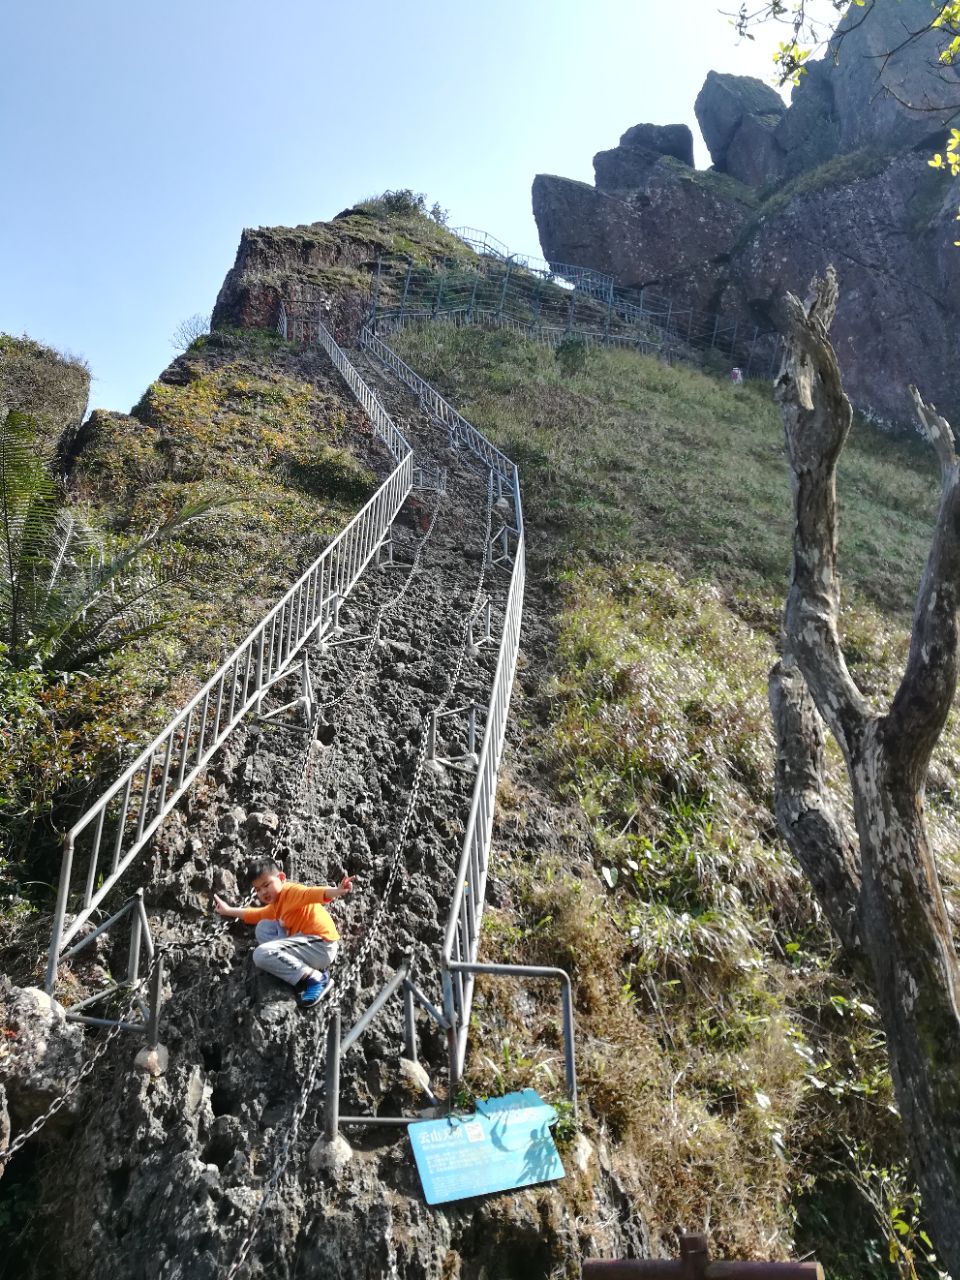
[
  {"x": 325, "y": 892},
  {"x": 224, "y": 909}
]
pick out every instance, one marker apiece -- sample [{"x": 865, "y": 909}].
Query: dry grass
[{"x": 723, "y": 1050}]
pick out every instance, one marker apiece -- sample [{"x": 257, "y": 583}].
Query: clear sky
[{"x": 138, "y": 137}]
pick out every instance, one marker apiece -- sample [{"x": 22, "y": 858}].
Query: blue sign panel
[{"x": 506, "y": 1144}]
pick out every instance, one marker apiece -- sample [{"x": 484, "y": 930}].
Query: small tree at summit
[
  {"x": 878, "y": 885},
  {"x": 189, "y": 330}
]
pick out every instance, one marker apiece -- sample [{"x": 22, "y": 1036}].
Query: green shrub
[{"x": 571, "y": 355}]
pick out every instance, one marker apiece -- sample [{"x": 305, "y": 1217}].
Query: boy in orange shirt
[{"x": 298, "y": 939}]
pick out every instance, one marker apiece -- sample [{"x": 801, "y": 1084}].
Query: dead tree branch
[
  {"x": 817, "y": 418},
  {"x": 883, "y": 895}
]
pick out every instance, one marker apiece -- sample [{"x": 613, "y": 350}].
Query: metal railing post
[
  {"x": 156, "y": 987},
  {"x": 136, "y": 934},
  {"x": 753, "y": 347},
  {"x": 406, "y": 290},
  {"x": 694, "y": 1256},
  {"x": 503, "y": 291},
  {"x": 569, "y": 1059},
  {"x": 453, "y": 1053},
  {"x": 409, "y": 1024},
  {"x": 331, "y": 1120},
  {"x": 63, "y": 891}
]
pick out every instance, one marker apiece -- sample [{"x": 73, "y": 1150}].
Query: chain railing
[
  {"x": 350, "y": 975},
  {"x": 106, "y": 840},
  {"x": 462, "y": 935},
  {"x": 460, "y": 431}
]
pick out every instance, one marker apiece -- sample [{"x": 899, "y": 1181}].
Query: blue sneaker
[{"x": 313, "y": 992}]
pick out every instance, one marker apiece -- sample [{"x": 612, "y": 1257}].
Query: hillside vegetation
[
  {"x": 723, "y": 1043},
  {"x": 242, "y": 418}
]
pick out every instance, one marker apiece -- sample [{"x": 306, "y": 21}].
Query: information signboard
[{"x": 506, "y": 1144}]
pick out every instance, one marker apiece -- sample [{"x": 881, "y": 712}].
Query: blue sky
[{"x": 139, "y": 137}]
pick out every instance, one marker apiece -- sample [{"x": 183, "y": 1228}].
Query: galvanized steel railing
[
  {"x": 596, "y": 283},
  {"x": 657, "y": 323},
  {"x": 462, "y": 936},
  {"x": 461, "y": 431},
  {"x": 108, "y": 837}
]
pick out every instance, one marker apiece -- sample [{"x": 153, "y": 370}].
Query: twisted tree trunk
[{"x": 879, "y": 888}]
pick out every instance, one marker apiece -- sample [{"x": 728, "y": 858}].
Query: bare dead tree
[
  {"x": 187, "y": 331},
  {"x": 878, "y": 886}
]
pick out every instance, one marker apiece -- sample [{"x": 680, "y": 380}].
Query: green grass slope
[{"x": 725, "y": 1052}]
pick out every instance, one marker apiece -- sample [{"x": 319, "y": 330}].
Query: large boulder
[
  {"x": 889, "y": 89},
  {"x": 725, "y": 103},
  {"x": 841, "y": 176},
  {"x": 665, "y": 139},
  {"x": 809, "y": 133},
  {"x": 670, "y": 231},
  {"x": 41, "y": 1054},
  {"x": 626, "y": 167},
  {"x": 754, "y": 155}
]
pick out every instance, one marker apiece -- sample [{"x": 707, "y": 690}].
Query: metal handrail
[
  {"x": 547, "y": 335},
  {"x": 149, "y": 788},
  {"x": 456, "y": 423},
  {"x": 461, "y": 941},
  {"x": 587, "y": 278},
  {"x": 462, "y": 934}
]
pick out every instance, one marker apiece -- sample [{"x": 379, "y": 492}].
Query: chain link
[
  {"x": 59, "y": 1103},
  {"x": 281, "y": 837},
  {"x": 352, "y": 971}
]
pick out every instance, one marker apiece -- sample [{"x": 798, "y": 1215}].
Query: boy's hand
[
  {"x": 346, "y": 884},
  {"x": 224, "y": 909}
]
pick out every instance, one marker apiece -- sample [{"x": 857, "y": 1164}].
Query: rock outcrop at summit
[
  {"x": 738, "y": 117},
  {"x": 839, "y": 176},
  {"x": 634, "y": 236}
]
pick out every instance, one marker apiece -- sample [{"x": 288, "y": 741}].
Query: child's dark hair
[{"x": 262, "y": 867}]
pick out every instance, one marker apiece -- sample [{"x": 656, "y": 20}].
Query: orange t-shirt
[{"x": 298, "y": 909}]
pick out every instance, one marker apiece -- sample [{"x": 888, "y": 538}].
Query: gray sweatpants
[{"x": 290, "y": 957}]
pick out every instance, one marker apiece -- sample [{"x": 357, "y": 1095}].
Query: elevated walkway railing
[
  {"x": 102, "y": 845},
  {"x": 546, "y": 335},
  {"x": 520, "y": 285},
  {"x": 596, "y": 283},
  {"x": 462, "y": 934}
]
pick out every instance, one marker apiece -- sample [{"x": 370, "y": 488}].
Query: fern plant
[{"x": 66, "y": 601}]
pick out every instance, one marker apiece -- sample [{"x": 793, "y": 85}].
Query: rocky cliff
[{"x": 840, "y": 176}]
